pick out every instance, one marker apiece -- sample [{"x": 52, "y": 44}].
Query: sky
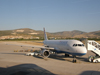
[{"x": 54, "y": 15}]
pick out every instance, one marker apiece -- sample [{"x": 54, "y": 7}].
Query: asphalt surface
[{"x": 17, "y": 63}]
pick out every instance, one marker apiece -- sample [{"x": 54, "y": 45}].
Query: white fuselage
[{"x": 73, "y": 47}]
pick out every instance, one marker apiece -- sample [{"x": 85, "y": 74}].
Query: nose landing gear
[{"x": 74, "y": 59}]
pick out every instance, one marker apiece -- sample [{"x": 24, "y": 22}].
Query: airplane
[{"x": 73, "y": 47}]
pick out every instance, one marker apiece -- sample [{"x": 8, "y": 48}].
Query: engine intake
[{"x": 45, "y": 53}]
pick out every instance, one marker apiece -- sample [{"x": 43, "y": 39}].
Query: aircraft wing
[{"x": 32, "y": 46}]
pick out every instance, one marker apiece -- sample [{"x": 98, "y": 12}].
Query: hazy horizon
[{"x": 47, "y": 31}]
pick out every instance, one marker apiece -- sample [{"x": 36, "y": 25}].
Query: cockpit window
[
  {"x": 74, "y": 44},
  {"x": 82, "y": 44},
  {"x": 78, "y": 45}
]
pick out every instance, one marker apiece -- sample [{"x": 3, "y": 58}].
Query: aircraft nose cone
[{"x": 84, "y": 51}]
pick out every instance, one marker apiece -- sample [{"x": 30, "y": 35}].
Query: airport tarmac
[{"x": 17, "y": 63}]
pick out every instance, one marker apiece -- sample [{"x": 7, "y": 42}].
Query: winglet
[{"x": 45, "y": 36}]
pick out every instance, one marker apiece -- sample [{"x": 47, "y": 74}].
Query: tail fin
[{"x": 45, "y": 36}]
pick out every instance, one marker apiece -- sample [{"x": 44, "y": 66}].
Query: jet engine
[{"x": 45, "y": 53}]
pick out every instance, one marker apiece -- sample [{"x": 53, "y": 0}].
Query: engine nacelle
[{"x": 45, "y": 53}]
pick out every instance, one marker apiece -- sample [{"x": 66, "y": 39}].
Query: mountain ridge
[{"x": 67, "y": 34}]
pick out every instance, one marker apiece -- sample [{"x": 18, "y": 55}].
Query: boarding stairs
[{"x": 93, "y": 46}]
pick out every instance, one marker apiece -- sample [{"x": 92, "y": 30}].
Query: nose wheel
[{"x": 74, "y": 59}]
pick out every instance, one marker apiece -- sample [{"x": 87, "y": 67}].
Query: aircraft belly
[{"x": 61, "y": 48}]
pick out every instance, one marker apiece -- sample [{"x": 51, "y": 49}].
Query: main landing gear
[{"x": 66, "y": 55}]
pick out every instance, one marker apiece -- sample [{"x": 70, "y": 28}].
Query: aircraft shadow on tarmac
[
  {"x": 90, "y": 73},
  {"x": 40, "y": 57},
  {"x": 24, "y": 69},
  {"x": 53, "y": 56},
  {"x": 57, "y": 57},
  {"x": 63, "y": 58},
  {"x": 82, "y": 59}
]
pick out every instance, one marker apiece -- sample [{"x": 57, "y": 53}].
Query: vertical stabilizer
[{"x": 45, "y": 36}]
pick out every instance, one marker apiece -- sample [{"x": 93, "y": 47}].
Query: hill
[
  {"x": 39, "y": 33},
  {"x": 68, "y": 33}
]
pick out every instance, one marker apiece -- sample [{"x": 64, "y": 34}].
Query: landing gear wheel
[
  {"x": 74, "y": 61},
  {"x": 96, "y": 61},
  {"x": 66, "y": 55}
]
